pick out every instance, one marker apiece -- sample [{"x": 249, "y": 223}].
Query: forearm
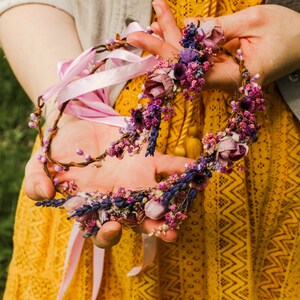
[{"x": 34, "y": 38}]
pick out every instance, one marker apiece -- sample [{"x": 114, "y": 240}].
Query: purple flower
[
  {"x": 58, "y": 168},
  {"x": 79, "y": 151},
  {"x": 230, "y": 149},
  {"x": 179, "y": 71},
  {"x": 106, "y": 203},
  {"x": 32, "y": 125},
  {"x": 158, "y": 86},
  {"x": 155, "y": 210},
  {"x": 187, "y": 55},
  {"x": 137, "y": 118}
]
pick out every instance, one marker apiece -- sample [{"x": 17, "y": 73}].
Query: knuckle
[{"x": 256, "y": 16}]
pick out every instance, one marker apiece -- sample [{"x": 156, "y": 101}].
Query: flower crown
[{"x": 171, "y": 198}]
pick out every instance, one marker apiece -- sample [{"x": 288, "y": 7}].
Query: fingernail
[
  {"x": 41, "y": 191},
  {"x": 157, "y": 9},
  {"x": 111, "y": 235}
]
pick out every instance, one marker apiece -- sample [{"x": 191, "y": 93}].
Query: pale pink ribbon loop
[
  {"x": 90, "y": 90},
  {"x": 73, "y": 70},
  {"x": 98, "y": 267},
  {"x": 149, "y": 248},
  {"x": 92, "y": 104},
  {"x": 81, "y": 89},
  {"x": 75, "y": 246}
]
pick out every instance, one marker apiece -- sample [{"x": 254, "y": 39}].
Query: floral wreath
[{"x": 170, "y": 199}]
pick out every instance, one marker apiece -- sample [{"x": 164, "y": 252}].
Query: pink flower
[
  {"x": 215, "y": 39},
  {"x": 158, "y": 86},
  {"x": 213, "y": 35},
  {"x": 230, "y": 150},
  {"x": 199, "y": 181},
  {"x": 154, "y": 210}
]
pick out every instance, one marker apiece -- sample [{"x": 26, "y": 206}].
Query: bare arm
[{"x": 34, "y": 38}]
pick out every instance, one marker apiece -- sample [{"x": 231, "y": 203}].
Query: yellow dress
[{"x": 241, "y": 240}]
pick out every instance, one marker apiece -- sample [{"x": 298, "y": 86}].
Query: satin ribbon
[
  {"x": 93, "y": 105},
  {"x": 75, "y": 246},
  {"x": 90, "y": 90},
  {"x": 149, "y": 249},
  {"x": 98, "y": 111}
]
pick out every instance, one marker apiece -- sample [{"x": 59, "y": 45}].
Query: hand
[
  {"x": 265, "y": 33},
  {"x": 130, "y": 172}
]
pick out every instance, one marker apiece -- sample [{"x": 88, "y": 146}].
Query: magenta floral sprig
[
  {"x": 167, "y": 79},
  {"x": 231, "y": 143}
]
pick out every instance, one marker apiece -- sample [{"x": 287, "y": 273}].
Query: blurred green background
[{"x": 16, "y": 141}]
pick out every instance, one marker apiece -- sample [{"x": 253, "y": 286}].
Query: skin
[
  {"x": 51, "y": 35},
  {"x": 265, "y": 33},
  {"x": 48, "y": 37}
]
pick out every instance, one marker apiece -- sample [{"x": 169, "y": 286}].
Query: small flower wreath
[{"x": 171, "y": 198}]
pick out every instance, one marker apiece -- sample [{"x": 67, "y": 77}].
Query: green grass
[{"x": 16, "y": 141}]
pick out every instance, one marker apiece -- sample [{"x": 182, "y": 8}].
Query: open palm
[{"x": 131, "y": 172}]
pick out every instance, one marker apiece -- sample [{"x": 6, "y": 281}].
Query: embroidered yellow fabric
[{"x": 241, "y": 240}]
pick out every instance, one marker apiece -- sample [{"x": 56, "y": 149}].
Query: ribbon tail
[
  {"x": 98, "y": 267},
  {"x": 150, "y": 248},
  {"x": 75, "y": 246}
]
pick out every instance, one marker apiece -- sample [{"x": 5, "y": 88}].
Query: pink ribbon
[
  {"x": 93, "y": 104},
  {"x": 149, "y": 249},
  {"x": 81, "y": 89},
  {"x": 69, "y": 71},
  {"x": 90, "y": 90},
  {"x": 75, "y": 246}
]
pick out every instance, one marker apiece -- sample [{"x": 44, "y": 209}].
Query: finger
[
  {"x": 149, "y": 226},
  {"x": 37, "y": 184},
  {"x": 187, "y": 21},
  {"x": 237, "y": 25},
  {"x": 109, "y": 235},
  {"x": 169, "y": 164},
  {"x": 157, "y": 30},
  {"x": 152, "y": 44},
  {"x": 167, "y": 23},
  {"x": 225, "y": 72},
  {"x": 224, "y": 75}
]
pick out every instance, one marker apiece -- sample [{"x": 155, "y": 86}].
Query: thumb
[
  {"x": 109, "y": 235},
  {"x": 152, "y": 44},
  {"x": 37, "y": 184},
  {"x": 148, "y": 226}
]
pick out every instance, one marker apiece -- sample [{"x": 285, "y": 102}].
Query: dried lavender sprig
[{"x": 51, "y": 202}]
